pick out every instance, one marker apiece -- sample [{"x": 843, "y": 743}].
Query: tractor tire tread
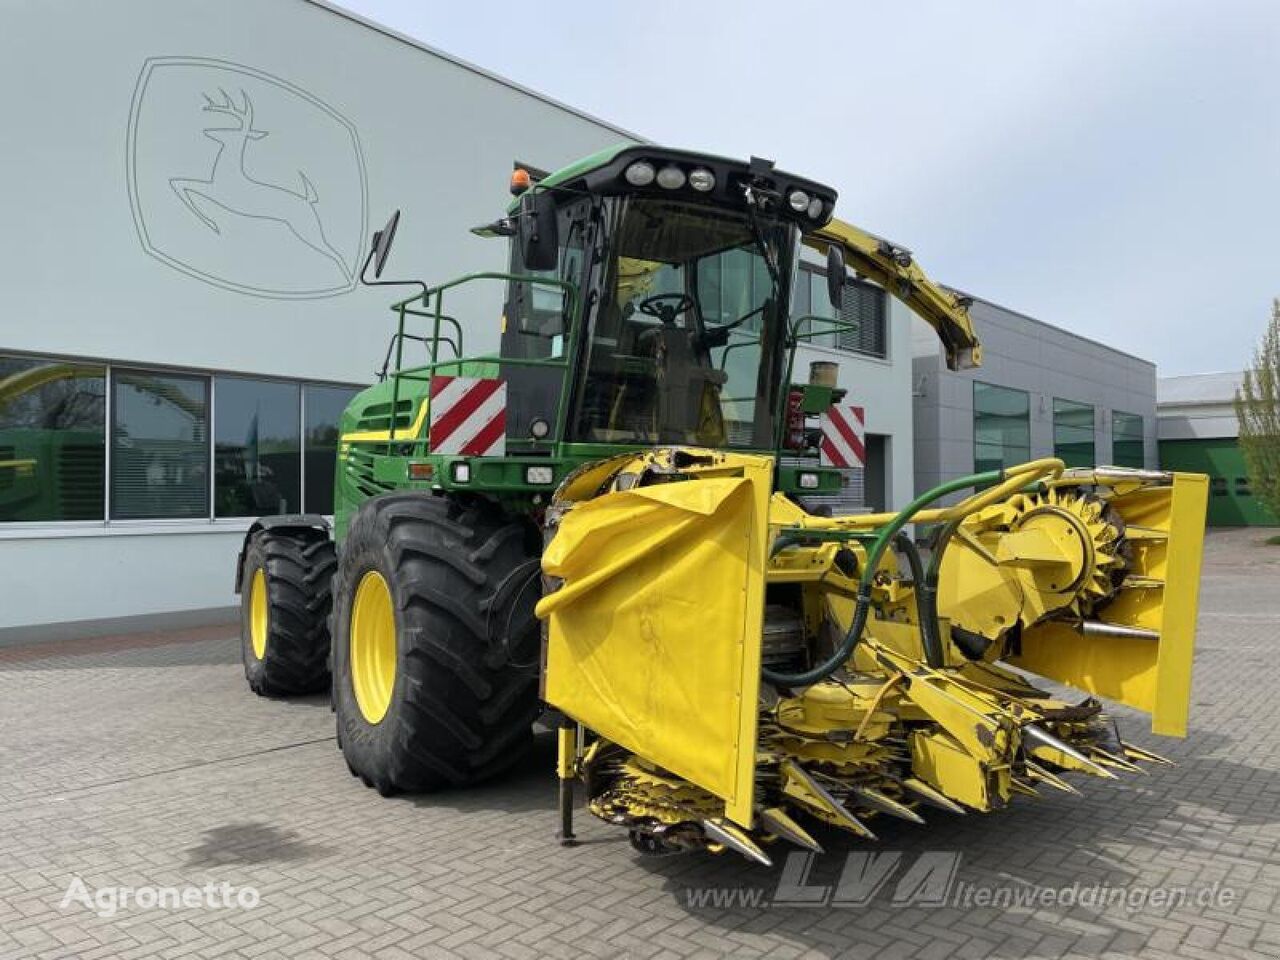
[
  {"x": 460, "y": 714},
  {"x": 299, "y": 568}
]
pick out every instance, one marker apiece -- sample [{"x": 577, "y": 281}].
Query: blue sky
[{"x": 1112, "y": 168}]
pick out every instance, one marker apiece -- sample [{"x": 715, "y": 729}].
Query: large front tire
[
  {"x": 435, "y": 644},
  {"x": 285, "y": 599}
]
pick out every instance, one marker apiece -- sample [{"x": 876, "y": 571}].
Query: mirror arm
[{"x": 391, "y": 283}]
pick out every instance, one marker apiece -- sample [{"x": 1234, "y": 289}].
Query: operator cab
[{"x": 684, "y": 263}]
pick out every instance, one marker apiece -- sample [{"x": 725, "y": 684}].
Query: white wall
[
  {"x": 1202, "y": 421},
  {"x": 117, "y": 577},
  {"x": 883, "y": 389},
  {"x": 437, "y": 140},
  {"x": 76, "y": 278}
]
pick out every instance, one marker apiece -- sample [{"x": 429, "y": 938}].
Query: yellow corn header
[{"x": 729, "y": 664}]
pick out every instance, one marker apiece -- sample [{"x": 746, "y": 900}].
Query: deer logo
[{"x": 231, "y": 189}]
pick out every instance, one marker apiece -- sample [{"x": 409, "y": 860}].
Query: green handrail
[{"x": 406, "y": 307}]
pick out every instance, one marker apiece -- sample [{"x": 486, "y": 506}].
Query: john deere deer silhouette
[{"x": 231, "y": 188}]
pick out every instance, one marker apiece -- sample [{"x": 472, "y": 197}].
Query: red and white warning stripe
[
  {"x": 844, "y": 437},
  {"x": 468, "y": 416}
]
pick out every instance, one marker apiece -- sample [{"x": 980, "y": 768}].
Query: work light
[
  {"x": 671, "y": 177},
  {"x": 702, "y": 180},
  {"x": 640, "y": 173}
]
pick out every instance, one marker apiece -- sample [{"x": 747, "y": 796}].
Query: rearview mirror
[
  {"x": 382, "y": 243},
  {"x": 538, "y": 233},
  {"x": 835, "y": 276}
]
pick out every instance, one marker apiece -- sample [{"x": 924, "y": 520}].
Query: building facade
[
  {"x": 1199, "y": 433},
  {"x": 1041, "y": 392},
  {"x": 187, "y": 209},
  {"x": 186, "y": 214},
  {"x": 874, "y": 368}
]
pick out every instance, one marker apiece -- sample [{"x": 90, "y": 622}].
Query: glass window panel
[
  {"x": 324, "y": 406},
  {"x": 802, "y": 295},
  {"x": 656, "y": 379},
  {"x": 52, "y": 448},
  {"x": 801, "y": 302},
  {"x": 257, "y": 458},
  {"x": 1127, "y": 446},
  {"x": 729, "y": 285},
  {"x": 821, "y": 307},
  {"x": 821, "y": 303},
  {"x": 534, "y": 317},
  {"x": 1001, "y": 426},
  {"x": 159, "y": 445},
  {"x": 1073, "y": 433}
]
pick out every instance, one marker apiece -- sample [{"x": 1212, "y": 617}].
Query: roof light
[
  {"x": 702, "y": 180},
  {"x": 671, "y": 178},
  {"x": 815, "y": 208},
  {"x": 640, "y": 173},
  {"x": 798, "y": 200}
]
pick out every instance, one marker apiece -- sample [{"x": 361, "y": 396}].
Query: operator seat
[{"x": 684, "y": 378}]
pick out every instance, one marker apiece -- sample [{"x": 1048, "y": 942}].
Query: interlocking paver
[{"x": 148, "y": 763}]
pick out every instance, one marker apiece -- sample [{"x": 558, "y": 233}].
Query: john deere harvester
[{"x": 613, "y": 519}]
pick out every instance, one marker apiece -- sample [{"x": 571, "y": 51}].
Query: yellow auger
[{"x": 729, "y": 665}]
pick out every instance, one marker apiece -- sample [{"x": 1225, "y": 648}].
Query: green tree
[{"x": 1258, "y": 410}]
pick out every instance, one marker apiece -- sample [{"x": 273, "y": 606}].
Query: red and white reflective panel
[
  {"x": 844, "y": 437},
  {"x": 468, "y": 416}
]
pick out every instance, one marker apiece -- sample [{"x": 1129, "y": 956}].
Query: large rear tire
[
  {"x": 435, "y": 644},
  {"x": 285, "y": 600}
]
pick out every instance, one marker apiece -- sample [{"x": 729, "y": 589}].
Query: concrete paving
[{"x": 147, "y": 765}]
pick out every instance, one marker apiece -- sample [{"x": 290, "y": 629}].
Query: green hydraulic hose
[{"x": 884, "y": 536}]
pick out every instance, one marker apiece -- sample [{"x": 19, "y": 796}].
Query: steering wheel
[{"x": 660, "y": 307}]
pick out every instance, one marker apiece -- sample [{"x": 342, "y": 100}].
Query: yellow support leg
[{"x": 566, "y": 770}]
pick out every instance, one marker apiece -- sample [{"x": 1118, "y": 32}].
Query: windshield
[{"x": 685, "y": 343}]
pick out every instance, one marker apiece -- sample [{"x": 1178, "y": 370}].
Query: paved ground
[{"x": 150, "y": 765}]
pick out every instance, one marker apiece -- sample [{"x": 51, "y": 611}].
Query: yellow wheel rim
[
  {"x": 258, "y": 613},
  {"x": 373, "y": 646}
]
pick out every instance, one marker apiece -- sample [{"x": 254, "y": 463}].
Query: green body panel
[
  {"x": 367, "y": 468},
  {"x": 1231, "y": 501}
]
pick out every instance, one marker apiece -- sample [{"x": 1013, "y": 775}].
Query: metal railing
[{"x": 430, "y": 305}]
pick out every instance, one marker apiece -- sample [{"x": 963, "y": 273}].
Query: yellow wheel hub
[
  {"x": 258, "y": 613},
  {"x": 373, "y": 646}
]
